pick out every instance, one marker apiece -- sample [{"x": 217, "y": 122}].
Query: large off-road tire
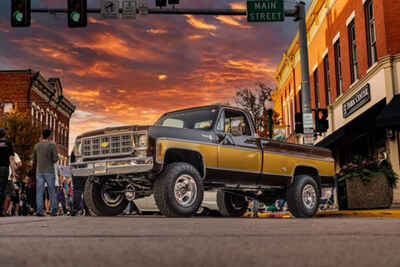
[
  {"x": 101, "y": 202},
  {"x": 303, "y": 197},
  {"x": 178, "y": 191},
  {"x": 231, "y": 205}
]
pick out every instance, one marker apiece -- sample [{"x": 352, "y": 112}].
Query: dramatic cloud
[{"x": 132, "y": 71}]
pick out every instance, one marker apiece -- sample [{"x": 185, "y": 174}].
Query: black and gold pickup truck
[{"x": 194, "y": 150}]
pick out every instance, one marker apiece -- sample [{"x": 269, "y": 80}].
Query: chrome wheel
[
  {"x": 111, "y": 199},
  {"x": 309, "y": 196},
  {"x": 185, "y": 190}
]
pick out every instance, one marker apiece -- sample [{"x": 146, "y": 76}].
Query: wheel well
[
  {"x": 182, "y": 155},
  {"x": 313, "y": 172}
]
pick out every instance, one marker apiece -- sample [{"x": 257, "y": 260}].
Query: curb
[{"x": 384, "y": 213}]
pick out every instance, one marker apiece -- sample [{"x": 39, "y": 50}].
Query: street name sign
[
  {"x": 128, "y": 9},
  {"x": 109, "y": 9},
  {"x": 265, "y": 10}
]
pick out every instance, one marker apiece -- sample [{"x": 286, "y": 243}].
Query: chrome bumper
[{"x": 112, "y": 166}]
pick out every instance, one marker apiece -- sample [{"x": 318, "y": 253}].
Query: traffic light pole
[{"x": 299, "y": 13}]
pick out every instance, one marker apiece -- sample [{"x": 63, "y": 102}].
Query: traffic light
[
  {"x": 161, "y": 3},
  {"x": 321, "y": 120},
  {"x": 21, "y": 13},
  {"x": 77, "y": 16},
  {"x": 298, "y": 123},
  {"x": 173, "y": 2}
]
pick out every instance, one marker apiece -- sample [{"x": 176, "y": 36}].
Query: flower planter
[{"x": 376, "y": 194}]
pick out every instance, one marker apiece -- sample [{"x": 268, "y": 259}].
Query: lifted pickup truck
[{"x": 189, "y": 151}]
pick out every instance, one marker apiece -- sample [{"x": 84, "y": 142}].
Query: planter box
[{"x": 376, "y": 194}]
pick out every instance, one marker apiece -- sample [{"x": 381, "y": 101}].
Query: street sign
[
  {"x": 143, "y": 7},
  {"x": 128, "y": 9},
  {"x": 109, "y": 9},
  {"x": 308, "y": 121},
  {"x": 265, "y": 10}
]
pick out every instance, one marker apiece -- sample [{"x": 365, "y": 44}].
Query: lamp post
[{"x": 269, "y": 106}]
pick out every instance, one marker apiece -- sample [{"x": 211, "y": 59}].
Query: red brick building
[
  {"x": 29, "y": 91},
  {"x": 354, "y": 56}
]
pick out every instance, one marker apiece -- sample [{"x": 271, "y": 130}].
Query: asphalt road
[{"x": 158, "y": 241}]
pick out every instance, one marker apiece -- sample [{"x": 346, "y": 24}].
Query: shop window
[
  {"x": 352, "y": 52},
  {"x": 8, "y": 107},
  {"x": 316, "y": 88},
  {"x": 327, "y": 80},
  {"x": 338, "y": 68},
  {"x": 370, "y": 29}
]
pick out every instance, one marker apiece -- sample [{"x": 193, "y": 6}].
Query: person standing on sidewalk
[
  {"x": 45, "y": 156},
  {"x": 6, "y": 161}
]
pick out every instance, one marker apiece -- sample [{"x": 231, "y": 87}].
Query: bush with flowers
[{"x": 366, "y": 169}]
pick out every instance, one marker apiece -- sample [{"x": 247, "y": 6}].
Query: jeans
[
  {"x": 49, "y": 178},
  {"x": 79, "y": 186},
  {"x": 4, "y": 171}
]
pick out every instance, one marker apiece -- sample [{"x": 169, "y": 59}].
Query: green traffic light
[
  {"x": 18, "y": 15},
  {"x": 75, "y": 16}
]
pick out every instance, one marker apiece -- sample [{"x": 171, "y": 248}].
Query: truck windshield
[{"x": 194, "y": 119}]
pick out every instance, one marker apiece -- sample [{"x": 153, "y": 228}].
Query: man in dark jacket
[
  {"x": 45, "y": 156},
  {"x": 6, "y": 161}
]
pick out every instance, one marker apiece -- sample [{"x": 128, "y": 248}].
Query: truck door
[{"x": 239, "y": 156}]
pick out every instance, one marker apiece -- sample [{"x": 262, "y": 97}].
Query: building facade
[
  {"x": 28, "y": 91},
  {"x": 354, "y": 58}
]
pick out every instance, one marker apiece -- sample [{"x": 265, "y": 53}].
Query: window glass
[
  {"x": 236, "y": 123},
  {"x": 202, "y": 119}
]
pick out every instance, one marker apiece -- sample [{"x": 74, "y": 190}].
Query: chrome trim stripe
[
  {"x": 186, "y": 141},
  {"x": 299, "y": 156}
]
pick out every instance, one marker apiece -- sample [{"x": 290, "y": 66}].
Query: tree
[
  {"x": 24, "y": 135},
  {"x": 252, "y": 100}
]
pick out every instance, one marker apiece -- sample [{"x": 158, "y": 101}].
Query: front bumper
[{"x": 112, "y": 166}]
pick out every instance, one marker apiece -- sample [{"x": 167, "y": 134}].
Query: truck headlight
[
  {"x": 143, "y": 140},
  {"x": 78, "y": 148}
]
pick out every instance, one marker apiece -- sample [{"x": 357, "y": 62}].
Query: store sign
[{"x": 358, "y": 100}]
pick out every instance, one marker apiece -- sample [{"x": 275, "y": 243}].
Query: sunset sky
[{"x": 131, "y": 71}]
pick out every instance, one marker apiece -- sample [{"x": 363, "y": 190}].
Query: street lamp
[{"x": 269, "y": 106}]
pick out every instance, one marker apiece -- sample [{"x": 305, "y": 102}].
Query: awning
[
  {"x": 390, "y": 115},
  {"x": 333, "y": 137}
]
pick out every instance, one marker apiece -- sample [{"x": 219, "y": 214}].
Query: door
[{"x": 239, "y": 156}]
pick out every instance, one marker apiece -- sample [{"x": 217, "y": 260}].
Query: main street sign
[
  {"x": 265, "y": 10},
  {"x": 109, "y": 9}
]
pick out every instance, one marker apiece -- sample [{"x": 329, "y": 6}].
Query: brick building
[
  {"x": 354, "y": 56},
  {"x": 29, "y": 91}
]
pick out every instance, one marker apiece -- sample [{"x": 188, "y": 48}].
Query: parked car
[{"x": 190, "y": 151}]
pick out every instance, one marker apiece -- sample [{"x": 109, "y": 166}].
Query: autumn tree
[
  {"x": 24, "y": 135},
  {"x": 252, "y": 100}
]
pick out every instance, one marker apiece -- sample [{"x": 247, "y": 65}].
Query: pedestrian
[
  {"x": 6, "y": 161},
  {"x": 45, "y": 156},
  {"x": 78, "y": 184},
  {"x": 11, "y": 187}
]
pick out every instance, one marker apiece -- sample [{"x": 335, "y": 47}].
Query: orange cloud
[
  {"x": 232, "y": 21},
  {"x": 102, "y": 69},
  {"x": 199, "y": 23},
  {"x": 162, "y": 77},
  {"x": 95, "y": 21},
  {"x": 238, "y": 5},
  {"x": 250, "y": 66},
  {"x": 157, "y": 31},
  {"x": 195, "y": 37}
]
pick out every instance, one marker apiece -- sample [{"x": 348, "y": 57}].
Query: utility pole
[{"x": 308, "y": 122}]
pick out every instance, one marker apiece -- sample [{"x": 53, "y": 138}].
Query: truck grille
[{"x": 108, "y": 145}]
